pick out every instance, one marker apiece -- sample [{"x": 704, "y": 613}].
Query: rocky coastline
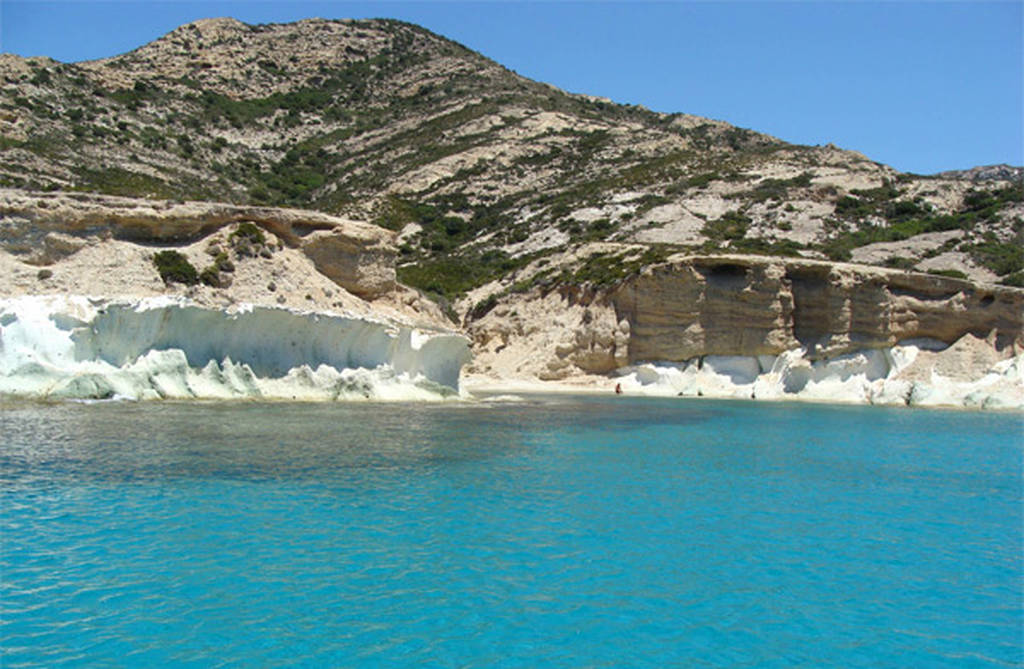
[{"x": 722, "y": 325}]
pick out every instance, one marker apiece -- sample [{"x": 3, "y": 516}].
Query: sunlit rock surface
[
  {"x": 918, "y": 373},
  {"x": 168, "y": 347}
]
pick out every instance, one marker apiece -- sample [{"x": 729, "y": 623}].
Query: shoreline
[
  {"x": 80, "y": 348},
  {"x": 852, "y": 380},
  {"x": 482, "y": 387},
  {"x": 479, "y": 389}
]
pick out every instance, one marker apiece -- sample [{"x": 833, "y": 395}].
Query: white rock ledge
[
  {"x": 908, "y": 374},
  {"x": 169, "y": 347}
]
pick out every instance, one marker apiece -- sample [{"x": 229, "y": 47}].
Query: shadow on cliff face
[
  {"x": 740, "y": 309},
  {"x": 873, "y": 310},
  {"x": 813, "y": 307}
]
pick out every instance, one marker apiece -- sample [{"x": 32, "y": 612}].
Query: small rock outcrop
[{"x": 1001, "y": 172}]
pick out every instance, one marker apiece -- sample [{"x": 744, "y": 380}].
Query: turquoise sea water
[{"x": 558, "y": 531}]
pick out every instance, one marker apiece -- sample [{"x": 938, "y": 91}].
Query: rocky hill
[
  {"x": 503, "y": 196},
  {"x": 477, "y": 167}
]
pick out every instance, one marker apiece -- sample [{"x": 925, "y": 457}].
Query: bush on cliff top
[{"x": 951, "y": 273}]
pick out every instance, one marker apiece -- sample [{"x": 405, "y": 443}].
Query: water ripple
[{"x": 553, "y": 531}]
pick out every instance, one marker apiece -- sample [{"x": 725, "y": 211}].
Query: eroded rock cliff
[
  {"x": 44, "y": 228},
  {"x": 256, "y": 302},
  {"x": 746, "y": 305},
  {"x": 752, "y": 326}
]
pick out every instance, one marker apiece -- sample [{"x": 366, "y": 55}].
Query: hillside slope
[{"x": 479, "y": 168}]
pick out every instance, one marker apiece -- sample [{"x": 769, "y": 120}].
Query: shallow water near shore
[{"x": 552, "y": 531}]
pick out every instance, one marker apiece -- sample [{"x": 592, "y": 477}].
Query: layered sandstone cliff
[
  {"x": 747, "y": 305},
  {"x": 748, "y": 326}
]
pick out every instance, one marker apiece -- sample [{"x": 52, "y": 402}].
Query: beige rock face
[
  {"x": 560, "y": 335},
  {"x": 914, "y": 247},
  {"x": 694, "y": 306},
  {"x": 707, "y": 307},
  {"x": 956, "y": 362},
  {"x": 366, "y": 270},
  {"x": 744, "y": 305},
  {"x": 45, "y": 228},
  {"x": 77, "y": 244}
]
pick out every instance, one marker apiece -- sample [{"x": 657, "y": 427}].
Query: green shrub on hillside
[
  {"x": 249, "y": 232},
  {"x": 223, "y": 263},
  {"x": 483, "y": 307},
  {"x": 1016, "y": 279},
  {"x": 731, "y": 225},
  {"x": 702, "y": 180},
  {"x": 453, "y": 275},
  {"x": 41, "y": 78},
  {"x": 294, "y": 178},
  {"x": 776, "y": 189},
  {"x": 985, "y": 203},
  {"x": 175, "y": 268},
  {"x": 210, "y": 277},
  {"x": 951, "y": 273},
  {"x": 1001, "y": 257},
  {"x": 118, "y": 181},
  {"x": 839, "y": 247},
  {"x": 593, "y": 232},
  {"x": 900, "y": 262},
  {"x": 604, "y": 270}
]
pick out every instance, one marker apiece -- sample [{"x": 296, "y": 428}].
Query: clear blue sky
[{"x": 922, "y": 86}]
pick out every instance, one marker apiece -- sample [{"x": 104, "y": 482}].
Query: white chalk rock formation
[
  {"x": 914, "y": 373},
  {"x": 170, "y": 347}
]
